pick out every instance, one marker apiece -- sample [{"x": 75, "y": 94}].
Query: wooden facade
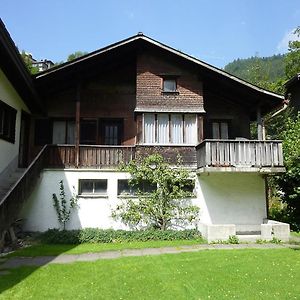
[{"x": 112, "y": 93}]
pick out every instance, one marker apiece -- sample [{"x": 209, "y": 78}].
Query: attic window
[{"x": 169, "y": 85}]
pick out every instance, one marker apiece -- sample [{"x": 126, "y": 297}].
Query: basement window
[
  {"x": 125, "y": 189},
  {"x": 7, "y": 122},
  {"x": 90, "y": 187}
]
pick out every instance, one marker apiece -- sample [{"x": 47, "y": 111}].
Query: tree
[
  {"x": 63, "y": 207},
  {"x": 292, "y": 60},
  {"x": 289, "y": 182},
  {"x": 164, "y": 207},
  {"x": 28, "y": 62},
  {"x": 75, "y": 55}
]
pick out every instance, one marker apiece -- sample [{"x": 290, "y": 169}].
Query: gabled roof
[
  {"x": 15, "y": 70},
  {"x": 292, "y": 81},
  {"x": 142, "y": 37}
]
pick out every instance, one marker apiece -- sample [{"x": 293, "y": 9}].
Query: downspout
[{"x": 264, "y": 121}]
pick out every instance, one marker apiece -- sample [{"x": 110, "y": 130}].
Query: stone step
[
  {"x": 248, "y": 238},
  {"x": 8, "y": 182}
]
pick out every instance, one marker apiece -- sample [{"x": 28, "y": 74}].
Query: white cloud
[{"x": 284, "y": 43}]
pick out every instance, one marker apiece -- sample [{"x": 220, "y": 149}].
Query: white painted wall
[
  {"x": 223, "y": 199},
  {"x": 40, "y": 214},
  {"x": 231, "y": 198},
  {"x": 9, "y": 151}
]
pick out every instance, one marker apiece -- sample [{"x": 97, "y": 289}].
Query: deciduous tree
[{"x": 167, "y": 205}]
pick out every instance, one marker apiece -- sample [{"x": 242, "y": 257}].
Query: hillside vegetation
[{"x": 272, "y": 67}]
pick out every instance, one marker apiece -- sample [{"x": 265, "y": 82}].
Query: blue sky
[{"x": 214, "y": 31}]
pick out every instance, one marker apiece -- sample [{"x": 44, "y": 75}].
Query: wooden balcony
[
  {"x": 99, "y": 156},
  {"x": 90, "y": 156},
  {"x": 240, "y": 155}
]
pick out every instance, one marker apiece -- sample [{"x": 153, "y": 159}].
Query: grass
[
  {"x": 296, "y": 234},
  {"x": 212, "y": 274},
  {"x": 49, "y": 249}
]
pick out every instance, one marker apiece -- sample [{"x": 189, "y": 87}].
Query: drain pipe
[{"x": 283, "y": 108}]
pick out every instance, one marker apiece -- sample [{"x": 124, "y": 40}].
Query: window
[
  {"x": 170, "y": 129},
  {"x": 92, "y": 186},
  {"x": 111, "y": 131},
  {"x": 220, "y": 130},
  {"x": 63, "y": 132},
  {"x": 124, "y": 188},
  {"x": 7, "y": 122},
  {"x": 88, "y": 132},
  {"x": 169, "y": 85}
]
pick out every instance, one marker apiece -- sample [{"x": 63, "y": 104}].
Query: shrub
[
  {"x": 233, "y": 239},
  {"x": 94, "y": 235}
]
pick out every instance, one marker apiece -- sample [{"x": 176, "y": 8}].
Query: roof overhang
[
  {"x": 15, "y": 70},
  {"x": 267, "y": 99}
]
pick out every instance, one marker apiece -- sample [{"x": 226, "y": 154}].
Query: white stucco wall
[
  {"x": 231, "y": 198},
  {"x": 40, "y": 214},
  {"x": 9, "y": 151},
  {"x": 223, "y": 199}
]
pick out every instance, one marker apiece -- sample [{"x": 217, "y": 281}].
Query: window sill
[
  {"x": 93, "y": 196},
  {"x": 167, "y": 145},
  {"x": 128, "y": 196},
  {"x": 169, "y": 92}
]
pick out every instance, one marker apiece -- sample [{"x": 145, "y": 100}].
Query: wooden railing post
[{"x": 77, "y": 126}]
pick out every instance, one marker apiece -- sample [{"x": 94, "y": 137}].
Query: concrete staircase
[{"x": 9, "y": 181}]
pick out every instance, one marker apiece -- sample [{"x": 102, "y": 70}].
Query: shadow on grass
[{"x": 18, "y": 265}]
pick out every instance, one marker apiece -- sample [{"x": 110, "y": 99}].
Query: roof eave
[{"x": 162, "y": 46}]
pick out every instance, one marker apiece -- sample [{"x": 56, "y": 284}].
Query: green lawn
[
  {"x": 297, "y": 234},
  {"x": 211, "y": 274},
  {"x": 45, "y": 249}
]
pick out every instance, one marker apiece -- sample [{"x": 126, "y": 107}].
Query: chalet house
[
  {"x": 293, "y": 91},
  {"x": 78, "y": 121}
]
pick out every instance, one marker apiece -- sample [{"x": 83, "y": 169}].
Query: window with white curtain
[
  {"x": 63, "y": 132},
  {"x": 149, "y": 128},
  {"x": 177, "y": 129},
  {"x": 170, "y": 129},
  {"x": 190, "y": 129},
  {"x": 163, "y": 128}
]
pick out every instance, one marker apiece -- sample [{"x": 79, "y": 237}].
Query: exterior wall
[
  {"x": 9, "y": 151},
  {"x": 149, "y": 94},
  {"x": 223, "y": 199},
  {"x": 221, "y": 108},
  {"x": 295, "y": 96},
  {"x": 39, "y": 213},
  {"x": 231, "y": 198},
  {"x": 109, "y": 95}
]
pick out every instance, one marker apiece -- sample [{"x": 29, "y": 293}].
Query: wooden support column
[
  {"x": 259, "y": 124},
  {"x": 139, "y": 126},
  {"x": 200, "y": 128},
  {"x": 77, "y": 127}
]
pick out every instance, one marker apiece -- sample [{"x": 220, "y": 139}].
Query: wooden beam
[
  {"x": 200, "y": 128},
  {"x": 259, "y": 124},
  {"x": 77, "y": 126}
]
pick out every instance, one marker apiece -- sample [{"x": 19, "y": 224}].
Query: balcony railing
[
  {"x": 239, "y": 153},
  {"x": 12, "y": 202},
  {"x": 99, "y": 156},
  {"x": 90, "y": 156}
]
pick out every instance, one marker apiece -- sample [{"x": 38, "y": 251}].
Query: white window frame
[
  {"x": 169, "y": 125},
  {"x": 92, "y": 194}
]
